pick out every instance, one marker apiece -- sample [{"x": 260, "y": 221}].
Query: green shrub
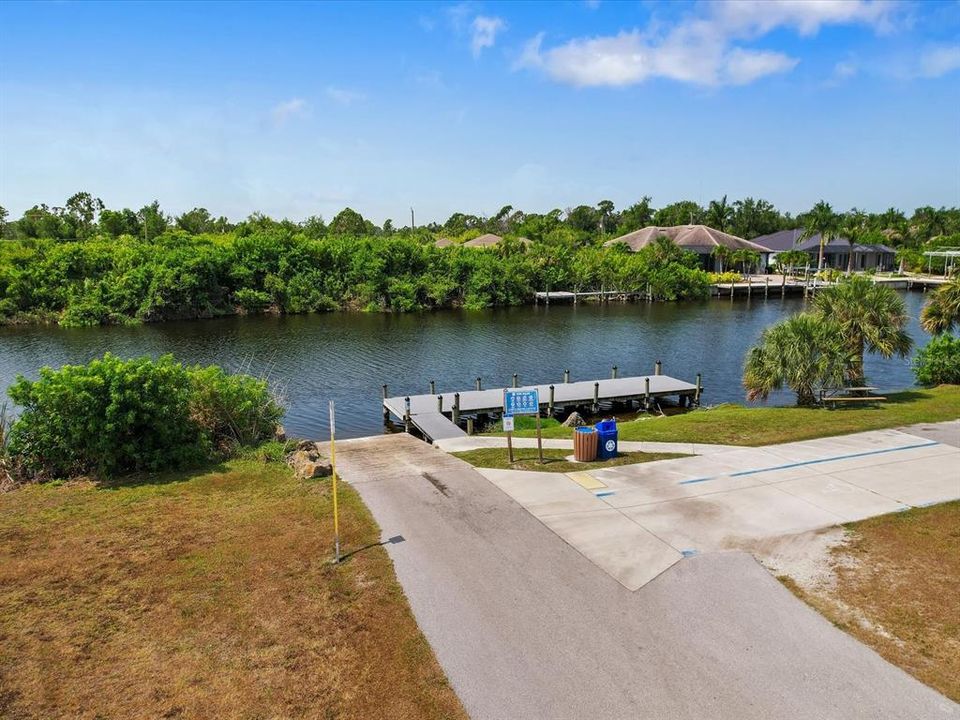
[
  {"x": 232, "y": 410},
  {"x": 252, "y": 300},
  {"x": 116, "y": 416},
  {"x": 106, "y": 417},
  {"x": 725, "y": 277},
  {"x": 939, "y": 362}
]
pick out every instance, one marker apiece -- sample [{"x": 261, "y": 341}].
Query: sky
[{"x": 302, "y": 109}]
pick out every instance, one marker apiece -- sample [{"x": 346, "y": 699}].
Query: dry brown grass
[
  {"x": 897, "y": 589},
  {"x": 209, "y": 595}
]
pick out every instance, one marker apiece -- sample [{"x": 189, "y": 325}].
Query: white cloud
[
  {"x": 484, "y": 33},
  {"x": 286, "y": 110},
  {"x": 742, "y": 67},
  {"x": 844, "y": 70},
  {"x": 703, "y": 48},
  {"x": 805, "y": 16},
  {"x": 630, "y": 58},
  {"x": 343, "y": 96},
  {"x": 937, "y": 61}
]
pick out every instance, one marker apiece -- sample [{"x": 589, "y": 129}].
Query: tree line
[
  {"x": 177, "y": 275},
  {"x": 84, "y": 264},
  {"x": 84, "y": 215}
]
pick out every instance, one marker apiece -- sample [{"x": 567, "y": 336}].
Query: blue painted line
[
  {"x": 688, "y": 553},
  {"x": 694, "y": 480},
  {"x": 608, "y": 493},
  {"x": 834, "y": 458}
]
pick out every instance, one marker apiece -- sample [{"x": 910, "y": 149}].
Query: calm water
[{"x": 347, "y": 357}]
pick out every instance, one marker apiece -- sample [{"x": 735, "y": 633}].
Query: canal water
[{"x": 347, "y": 357}]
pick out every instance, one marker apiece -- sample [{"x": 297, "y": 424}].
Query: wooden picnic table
[{"x": 831, "y": 395}]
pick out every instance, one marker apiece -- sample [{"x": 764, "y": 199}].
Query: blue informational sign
[{"x": 521, "y": 402}]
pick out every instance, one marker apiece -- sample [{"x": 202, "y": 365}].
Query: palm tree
[
  {"x": 942, "y": 311},
  {"x": 722, "y": 253},
  {"x": 719, "y": 214},
  {"x": 854, "y": 228},
  {"x": 871, "y": 318},
  {"x": 746, "y": 257},
  {"x": 792, "y": 259},
  {"x": 803, "y": 352},
  {"x": 820, "y": 220}
]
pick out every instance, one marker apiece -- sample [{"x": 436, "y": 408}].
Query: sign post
[
  {"x": 521, "y": 402},
  {"x": 539, "y": 438},
  {"x": 333, "y": 479}
]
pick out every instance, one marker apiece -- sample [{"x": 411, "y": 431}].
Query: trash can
[
  {"x": 584, "y": 444},
  {"x": 606, "y": 439}
]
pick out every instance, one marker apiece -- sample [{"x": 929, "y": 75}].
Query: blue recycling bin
[{"x": 606, "y": 439}]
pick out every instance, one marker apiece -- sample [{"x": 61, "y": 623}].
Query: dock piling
[
  {"x": 479, "y": 384},
  {"x": 433, "y": 387},
  {"x": 566, "y": 376},
  {"x": 696, "y": 394},
  {"x": 766, "y": 286},
  {"x": 596, "y": 397},
  {"x": 456, "y": 408},
  {"x": 469, "y": 426},
  {"x": 386, "y": 412},
  {"x": 658, "y": 368},
  {"x": 440, "y": 404},
  {"x": 516, "y": 380},
  {"x": 646, "y": 393},
  {"x": 614, "y": 371},
  {"x": 406, "y": 413},
  {"x": 550, "y": 406}
]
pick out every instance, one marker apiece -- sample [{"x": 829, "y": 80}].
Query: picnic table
[{"x": 833, "y": 397}]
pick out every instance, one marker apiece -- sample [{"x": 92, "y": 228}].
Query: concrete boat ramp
[{"x": 439, "y": 416}]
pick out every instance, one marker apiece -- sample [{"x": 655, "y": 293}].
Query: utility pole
[{"x": 413, "y": 223}]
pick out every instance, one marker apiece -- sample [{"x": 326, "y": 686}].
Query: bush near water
[
  {"x": 114, "y": 416},
  {"x": 938, "y": 363}
]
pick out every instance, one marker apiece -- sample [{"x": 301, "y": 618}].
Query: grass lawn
[
  {"x": 738, "y": 425},
  {"x": 205, "y": 595},
  {"x": 554, "y": 460},
  {"x": 897, "y": 589}
]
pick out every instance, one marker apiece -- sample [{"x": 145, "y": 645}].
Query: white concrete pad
[
  {"x": 733, "y": 498},
  {"x": 840, "y": 498},
  {"x": 780, "y": 474},
  {"x": 913, "y": 483},
  {"x": 730, "y": 520},
  {"x": 543, "y": 493},
  {"x": 646, "y": 493},
  {"x": 628, "y": 552},
  {"x": 894, "y": 455}
]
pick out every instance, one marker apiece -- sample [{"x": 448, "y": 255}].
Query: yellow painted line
[{"x": 586, "y": 480}]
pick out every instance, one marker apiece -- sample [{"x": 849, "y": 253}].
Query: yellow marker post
[{"x": 333, "y": 469}]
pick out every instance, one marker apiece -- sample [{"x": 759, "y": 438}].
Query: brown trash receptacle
[{"x": 584, "y": 444}]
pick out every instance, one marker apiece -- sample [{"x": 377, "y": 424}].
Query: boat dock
[{"x": 443, "y": 415}]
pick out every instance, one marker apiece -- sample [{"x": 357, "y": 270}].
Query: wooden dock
[{"x": 440, "y": 416}]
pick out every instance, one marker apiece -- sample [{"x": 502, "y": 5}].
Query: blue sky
[{"x": 300, "y": 109}]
